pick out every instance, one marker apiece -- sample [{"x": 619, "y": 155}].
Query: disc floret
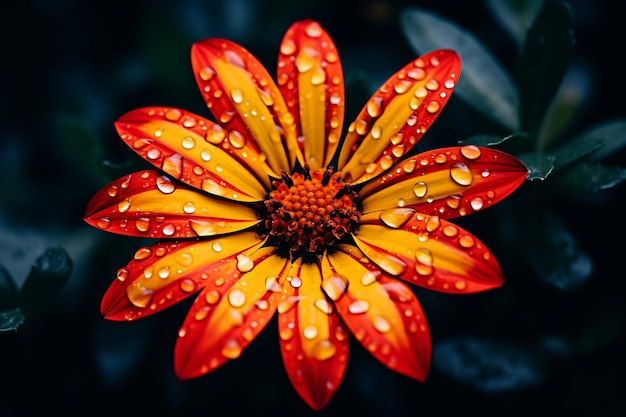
[{"x": 309, "y": 212}]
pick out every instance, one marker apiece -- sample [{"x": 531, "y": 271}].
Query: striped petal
[
  {"x": 429, "y": 252},
  {"x": 184, "y": 145},
  {"x": 311, "y": 80},
  {"x": 165, "y": 273},
  {"x": 245, "y": 100},
  {"x": 398, "y": 114},
  {"x": 148, "y": 204},
  {"x": 228, "y": 315},
  {"x": 381, "y": 312},
  {"x": 447, "y": 182},
  {"x": 313, "y": 341}
]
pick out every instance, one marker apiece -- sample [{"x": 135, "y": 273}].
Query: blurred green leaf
[
  {"x": 515, "y": 16},
  {"x": 8, "y": 290},
  {"x": 10, "y": 320},
  {"x": 483, "y": 84},
  {"x": 47, "y": 277},
  {"x": 490, "y": 140},
  {"x": 545, "y": 58},
  {"x": 83, "y": 146},
  {"x": 539, "y": 164},
  {"x": 552, "y": 250},
  {"x": 589, "y": 178},
  {"x": 611, "y": 133},
  {"x": 489, "y": 366},
  {"x": 576, "y": 149}
]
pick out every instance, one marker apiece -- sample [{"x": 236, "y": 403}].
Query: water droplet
[
  {"x": 212, "y": 297},
  {"x": 466, "y": 241},
  {"x": 471, "y": 152},
  {"x": 112, "y": 191},
  {"x": 153, "y": 154},
  {"x": 433, "y": 223},
  {"x": 173, "y": 115},
  {"x": 335, "y": 286},
  {"x": 285, "y": 333},
  {"x": 381, "y": 324},
  {"x": 324, "y": 349},
  {"x": 122, "y": 274},
  {"x": 310, "y": 332},
  {"x": 244, "y": 263},
  {"x": 148, "y": 272},
  {"x": 104, "y": 223},
  {"x": 205, "y": 155},
  {"x": 231, "y": 349},
  {"x": 187, "y": 285},
  {"x": 236, "y": 95},
  {"x": 420, "y": 189},
  {"x": 262, "y": 304},
  {"x": 460, "y": 285},
  {"x": 306, "y": 59},
  {"x": 188, "y": 142},
  {"x": 271, "y": 284},
  {"x": 402, "y": 86},
  {"x": 324, "y": 306},
  {"x": 287, "y": 304},
  {"x": 236, "y": 139},
  {"x": 123, "y": 206},
  {"x": 358, "y": 306},
  {"x": 416, "y": 74},
  {"x": 396, "y": 218},
  {"x": 216, "y": 246},
  {"x": 168, "y": 229},
  {"x": 433, "y": 106},
  {"x": 369, "y": 277},
  {"x": 424, "y": 256},
  {"x": 164, "y": 272},
  {"x": 217, "y": 134},
  {"x": 450, "y": 230},
  {"x": 375, "y": 106},
  {"x": 184, "y": 258},
  {"x": 142, "y": 224},
  {"x": 165, "y": 185},
  {"x": 140, "y": 296},
  {"x": 296, "y": 282},
  {"x": 376, "y": 132},
  {"x": 142, "y": 253},
  {"x": 461, "y": 174},
  {"x": 206, "y": 73},
  {"x": 202, "y": 313},
  {"x": 236, "y": 298},
  {"x": 314, "y": 30},
  {"x": 318, "y": 76},
  {"x": 189, "y": 207},
  {"x": 432, "y": 84},
  {"x": 401, "y": 202},
  {"x": 453, "y": 201},
  {"x": 476, "y": 203},
  {"x": 288, "y": 47}
]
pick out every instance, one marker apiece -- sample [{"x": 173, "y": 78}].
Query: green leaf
[
  {"x": 552, "y": 250},
  {"x": 611, "y": 133},
  {"x": 589, "y": 178},
  {"x": 515, "y": 16},
  {"x": 10, "y": 320},
  {"x": 576, "y": 149},
  {"x": 8, "y": 290},
  {"x": 539, "y": 165},
  {"x": 47, "y": 277},
  {"x": 483, "y": 84},
  {"x": 545, "y": 58},
  {"x": 491, "y": 140}
]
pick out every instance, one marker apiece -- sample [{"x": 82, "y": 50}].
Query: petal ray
[
  {"x": 446, "y": 182},
  {"x": 310, "y": 78},
  {"x": 184, "y": 145},
  {"x": 148, "y": 204},
  {"x": 313, "y": 341},
  {"x": 398, "y": 114},
  {"x": 429, "y": 252},
  {"x": 224, "y": 319},
  {"x": 243, "y": 98},
  {"x": 165, "y": 273},
  {"x": 381, "y": 312}
]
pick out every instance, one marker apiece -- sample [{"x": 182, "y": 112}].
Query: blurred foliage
[{"x": 539, "y": 80}]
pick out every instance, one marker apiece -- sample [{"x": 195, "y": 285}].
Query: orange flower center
[{"x": 309, "y": 212}]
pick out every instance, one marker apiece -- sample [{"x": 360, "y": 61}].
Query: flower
[{"x": 268, "y": 211}]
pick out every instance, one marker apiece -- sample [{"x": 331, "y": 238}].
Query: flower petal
[
  {"x": 398, "y": 114},
  {"x": 313, "y": 341},
  {"x": 243, "y": 98},
  {"x": 184, "y": 145},
  {"x": 311, "y": 80},
  {"x": 447, "y": 182},
  {"x": 148, "y": 204},
  {"x": 382, "y": 313},
  {"x": 429, "y": 252},
  {"x": 224, "y": 319},
  {"x": 165, "y": 273}
]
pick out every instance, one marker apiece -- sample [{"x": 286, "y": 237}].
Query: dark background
[{"x": 70, "y": 68}]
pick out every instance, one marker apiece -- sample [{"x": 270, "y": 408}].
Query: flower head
[{"x": 272, "y": 210}]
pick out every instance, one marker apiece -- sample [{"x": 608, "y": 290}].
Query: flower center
[{"x": 309, "y": 212}]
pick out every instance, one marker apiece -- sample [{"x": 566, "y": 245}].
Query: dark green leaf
[
  {"x": 483, "y": 84},
  {"x": 612, "y": 134},
  {"x": 489, "y": 366},
  {"x": 515, "y": 16},
  {"x": 589, "y": 178},
  {"x": 490, "y": 140},
  {"x": 8, "y": 290},
  {"x": 576, "y": 149},
  {"x": 545, "y": 58},
  {"x": 552, "y": 251},
  {"x": 539, "y": 164},
  {"x": 10, "y": 319},
  {"x": 47, "y": 277}
]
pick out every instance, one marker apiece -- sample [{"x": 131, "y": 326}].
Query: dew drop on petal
[
  {"x": 466, "y": 241},
  {"x": 310, "y": 332},
  {"x": 324, "y": 349},
  {"x": 187, "y": 285},
  {"x": 188, "y": 142},
  {"x": 142, "y": 224},
  {"x": 244, "y": 263},
  {"x": 368, "y": 278},
  {"x": 324, "y": 306},
  {"x": 123, "y": 206},
  {"x": 236, "y": 95},
  {"x": 142, "y": 253},
  {"x": 165, "y": 185},
  {"x": 231, "y": 349},
  {"x": 271, "y": 284},
  {"x": 396, "y": 218},
  {"x": 104, "y": 223},
  {"x": 420, "y": 189},
  {"x": 335, "y": 286},
  {"x": 433, "y": 106},
  {"x": 476, "y": 203},
  {"x": 216, "y": 246},
  {"x": 460, "y": 285},
  {"x": 381, "y": 324},
  {"x": 122, "y": 274},
  {"x": 461, "y": 174},
  {"x": 358, "y": 306},
  {"x": 471, "y": 152},
  {"x": 164, "y": 272},
  {"x": 236, "y": 298},
  {"x": 206, "y": 73},
  {"x": 212, "y": 297}
]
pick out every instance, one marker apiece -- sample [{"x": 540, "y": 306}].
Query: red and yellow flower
[{"x": 272, "y": 209}]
